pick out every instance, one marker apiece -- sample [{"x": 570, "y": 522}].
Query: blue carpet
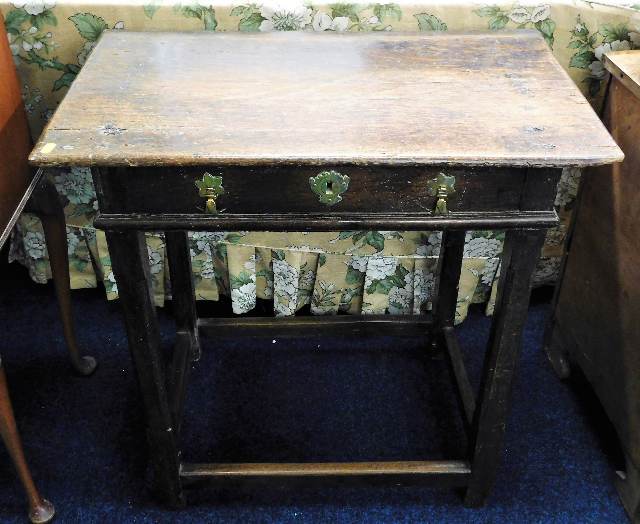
[{"x": 297, "y": 400}]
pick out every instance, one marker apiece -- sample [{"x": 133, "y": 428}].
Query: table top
[
  {"x": 303, "y": 98},
  {"x": 625, "y": 65}
]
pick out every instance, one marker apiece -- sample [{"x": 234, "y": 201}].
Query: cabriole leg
[{"x": 46, "y": 205}]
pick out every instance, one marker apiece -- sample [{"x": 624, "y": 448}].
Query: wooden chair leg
[
  {"x": 40, "y": 510},
  {"x": 46, "y": 205}
]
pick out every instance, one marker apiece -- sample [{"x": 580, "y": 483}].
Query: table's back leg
[
  {"x": 445, "y": 295},
  {"x": 182, "y": 288},
  {"x": 519, "y": 259},
  {"x": 187, "y": 346},
  {"x": 130, "y": 264}
]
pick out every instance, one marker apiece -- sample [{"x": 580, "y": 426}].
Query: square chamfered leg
[
  {"x": 444, "y": 311},
  {"x": 182, "y": 288},
  {"x": 187, "y": 348},
  {"x": 130, "y": 264},
  {"x": 448, "y": 275},
  {"x": 519, "y": 259}
]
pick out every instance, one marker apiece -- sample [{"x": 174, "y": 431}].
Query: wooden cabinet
[{"x": 596, "y": 321}]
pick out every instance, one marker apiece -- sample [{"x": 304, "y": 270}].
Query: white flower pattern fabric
[
  {"x": 285, "y": 287},
  {"x": 76, "y": 185},
  {"x": 34, "y": 244},
  {"x": 35, "y": 7},
  {"x": 323, "y": 22},
  {"x": 285, "y": 17}
]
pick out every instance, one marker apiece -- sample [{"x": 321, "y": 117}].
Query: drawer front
[{"x": 333, "y": 189}]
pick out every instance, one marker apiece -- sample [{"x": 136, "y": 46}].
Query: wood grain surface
[
  {"x": 625, "y": 66},
  {"x": 302, "y": 98},
  {"x": 305, "y": 469}
]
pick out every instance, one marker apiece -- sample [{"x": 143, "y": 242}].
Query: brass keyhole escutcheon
[
  {"x": 329, "y": 186},
  {"x": 441, "y": 187},
  {"x": 210, "y": 187}
]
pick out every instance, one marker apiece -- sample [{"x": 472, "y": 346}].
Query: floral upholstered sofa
[{"x": 357, "y": 272}]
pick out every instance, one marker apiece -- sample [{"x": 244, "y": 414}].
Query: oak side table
[{"x": 317, "y": 132}]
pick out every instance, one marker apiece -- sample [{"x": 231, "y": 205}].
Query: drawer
[{"x": 288, "y": 189}]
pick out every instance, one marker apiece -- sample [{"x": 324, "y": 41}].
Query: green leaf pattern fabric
[{"x": 368, "y": 272}]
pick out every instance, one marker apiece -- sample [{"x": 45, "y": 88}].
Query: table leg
[
  {"x": 182, "y": 288},
  {"x": 629, "y": 490},
  {"x": 446, "y": 291},
  {"x": 187, "y": 348},
  {"x": 555, "y": 348},
  {"x": 40, "y": 510},
  {"x": 519, "y": 259},
  {"x": 130, "y": 264}
]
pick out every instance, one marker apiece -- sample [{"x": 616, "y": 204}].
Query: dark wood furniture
[
  {"x": 596, "y": 320},
  {"x": 309, "y": 132},
  {"x": 21, "y": 188}
]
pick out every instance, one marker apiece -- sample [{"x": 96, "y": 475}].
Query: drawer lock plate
[{"x": 329, "y": 186}]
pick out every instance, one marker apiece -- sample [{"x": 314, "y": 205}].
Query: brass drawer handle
[
  {"x": 210, "y": 187},
  {"x": 441, "y": 187},
  {"x": 329, "y": 185}
]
